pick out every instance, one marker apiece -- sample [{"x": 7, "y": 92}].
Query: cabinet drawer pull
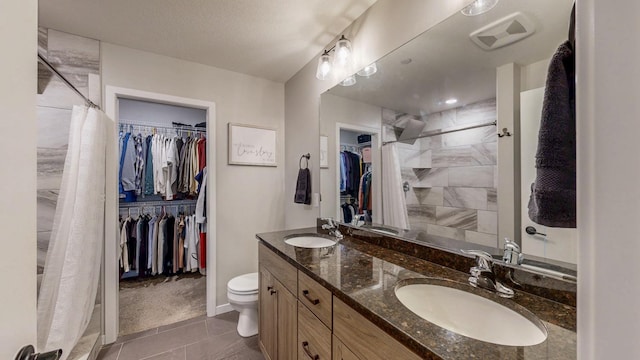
[
  {"x": 306, "y": 295},
  {"x": 305, "y": 347}
]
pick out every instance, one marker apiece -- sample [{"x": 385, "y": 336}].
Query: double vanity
[{"x": 352, "y": 297}]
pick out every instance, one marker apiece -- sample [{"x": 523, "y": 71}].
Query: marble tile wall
[
  {"x": 452, "y": 177},
  {"x": 78, "y": 58}
]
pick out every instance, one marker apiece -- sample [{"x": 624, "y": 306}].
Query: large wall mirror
[{"x": 412, "y": 150}]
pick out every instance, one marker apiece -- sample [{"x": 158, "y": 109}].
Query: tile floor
[{"x": 200, "y": 338}]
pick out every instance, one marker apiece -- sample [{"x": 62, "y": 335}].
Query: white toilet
[{"x": 242, "y": 292}]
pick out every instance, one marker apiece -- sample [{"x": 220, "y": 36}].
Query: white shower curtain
[
  {"x": 72, "y": 268},
  {"x": 394, "y": 209}
]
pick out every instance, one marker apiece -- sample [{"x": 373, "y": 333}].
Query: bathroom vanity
[{"x": 340, "y": 302}]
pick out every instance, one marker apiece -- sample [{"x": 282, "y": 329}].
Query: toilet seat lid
[{"x": 247, "y": 283}]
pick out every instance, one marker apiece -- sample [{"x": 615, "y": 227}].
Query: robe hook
[{"x": 505, "y": 132}]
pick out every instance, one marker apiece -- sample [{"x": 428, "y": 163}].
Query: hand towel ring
[{"x": 306, "y": 156}]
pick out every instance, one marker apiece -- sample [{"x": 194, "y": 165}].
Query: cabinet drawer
[
  {"x": 279, "y": 268},
  {"x": 364, "y": 338},
  {"x": 314, "y": 339},
  {"x": 341, "y": 352},
  {"x": 316, "y": 297}
]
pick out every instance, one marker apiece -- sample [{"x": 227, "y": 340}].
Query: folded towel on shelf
[
  {"x": 553, "y": 194},
  {"x": 303, "y": 187}
]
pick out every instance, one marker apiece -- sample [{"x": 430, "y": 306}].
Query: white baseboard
[{"x": 225, "y": 308}]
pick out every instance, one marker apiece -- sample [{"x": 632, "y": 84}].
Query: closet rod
[
  {"x": 157, "y": 203},
  {"x": 179, "y": 128},
  {"x": 50, "y": 67},
  {"x": 494, "y": 123}
]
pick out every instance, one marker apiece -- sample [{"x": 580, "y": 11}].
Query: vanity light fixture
[
  {"x": 451, "y": 101},
  {"x": 479, "y": 7},
  {"x": 341, "y": 58}
]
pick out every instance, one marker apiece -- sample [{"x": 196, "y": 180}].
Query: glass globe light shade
[
  {"x": 368, "y": 70},
  {"x": 349, "y": 81},
  {"x": 324, "y": 66},
  {"x": 342, "y": 52},
  {"x": 479, "y": 7}
]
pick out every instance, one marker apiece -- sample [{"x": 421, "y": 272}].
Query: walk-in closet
[
  {"x": 356, "y": 200},
  {"x": 162, "y": 177}
]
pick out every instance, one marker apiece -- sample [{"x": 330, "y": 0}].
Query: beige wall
[
  {"x": 18, "y": 38},
  {"x": 249, "y": 198},
  {"x": 533, "y": 76},
  {"x": 607, "y": 126},
  {"x": 384, "y": 27}
]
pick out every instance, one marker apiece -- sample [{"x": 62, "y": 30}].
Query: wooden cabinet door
[
  {"x": 341, "y": 352},
  {"x": 287, "y": 323},
  {"x": 268, "y": 315}
]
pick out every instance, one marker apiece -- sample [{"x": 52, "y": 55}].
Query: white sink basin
[
  {"x": 471, "y": 315},
  {"x": 309, "y": 241}
]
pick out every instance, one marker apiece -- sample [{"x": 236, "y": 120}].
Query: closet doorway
[
  {"x": 160, "y": 234},
  {"x": 360, "y": 189}
]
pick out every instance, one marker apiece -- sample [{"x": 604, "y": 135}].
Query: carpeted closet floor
[{"x": 154, "y": 302}]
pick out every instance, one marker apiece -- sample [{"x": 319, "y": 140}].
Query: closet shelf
[{"x": 155, "y": 203}]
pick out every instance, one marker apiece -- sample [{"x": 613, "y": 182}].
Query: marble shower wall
[
  {"x": 452, "y": 177},
  {"x": 78, "y": 59}
]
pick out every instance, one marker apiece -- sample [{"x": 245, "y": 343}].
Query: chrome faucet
[
  {"x": 337, "y": 234},
  {"x": 332, "y": 226},
  {"x": 482, "y": 275},
  {"x": 512, "y": 254}
]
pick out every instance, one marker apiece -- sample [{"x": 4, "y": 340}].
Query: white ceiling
[
  {"x": 447, "y": 64},
  {"x": 270, "y": 39}
]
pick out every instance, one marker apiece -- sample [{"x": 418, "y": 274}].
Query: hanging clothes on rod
[
  {"x": 351, "y": 170},
  {"x": 164, "y": 242},
  {"x": 160, "y": 161},
  {"x": 162, "y": 164},
  {"x": 364, "y": 193}
]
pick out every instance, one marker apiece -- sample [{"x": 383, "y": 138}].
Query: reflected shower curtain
[
  {"x": 394, "y": 209},
  {"x": 72, "y": 268}
]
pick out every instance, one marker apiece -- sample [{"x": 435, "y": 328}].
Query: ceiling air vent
[{"x": 503, "y": 32}]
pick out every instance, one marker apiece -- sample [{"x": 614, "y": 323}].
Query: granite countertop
[{"x": 364, "y": 276}]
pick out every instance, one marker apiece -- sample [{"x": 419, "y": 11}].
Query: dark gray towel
[
  {"x": 553, "y": 194},
  {"x": 303, "y": 187}
]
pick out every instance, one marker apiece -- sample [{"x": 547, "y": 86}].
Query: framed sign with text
[{"x": 252, "y": 145}]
